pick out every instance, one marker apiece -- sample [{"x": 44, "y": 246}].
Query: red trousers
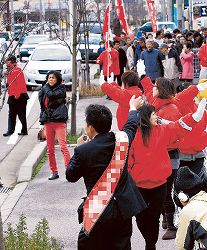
[{"x": 58, "y": 130}]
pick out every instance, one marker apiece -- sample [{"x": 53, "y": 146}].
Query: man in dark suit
[{"x": 113, "y": 229}]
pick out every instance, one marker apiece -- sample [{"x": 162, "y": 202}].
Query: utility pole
[
  {"x": 74, "y": 67},
  {"x": 179, "y": 4},
  {"x": 169, "y": 10}
]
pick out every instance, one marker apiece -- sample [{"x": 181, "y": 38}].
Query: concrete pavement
[{"x": 58, "y": 200}]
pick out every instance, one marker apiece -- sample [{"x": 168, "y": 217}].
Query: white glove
[
  {"x": 101, "y": 79},
  {"x": 202, "y": 86},
  {"x": 135, "y": 103},
  {"x": 141, "y": 68},
  {"x": 197, "y": 116},
  {"x": 111, "y": 78}
]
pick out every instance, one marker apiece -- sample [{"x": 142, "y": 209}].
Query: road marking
[{"x": 14, "y": 137}]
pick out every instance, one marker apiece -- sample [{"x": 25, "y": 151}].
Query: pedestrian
[
  {"x": 187, "y": 57},
  {"x": 18, "y": 96},
  {"x": 150, "y": 166},
  {"x": 121, "y": 96},
  {"x": 122, "y": 39},
  {"x": 130, "y": 55},
  {"x": 198, "y": 39},
  {"x": 111, "y": 228},
  {"x": 152, "y": 61},
  {"x": 100, "y": 50},
  {"x": 191, "y": 189},
  {"x": 171, "y": 64},
  {"x": 202, "y": 55},
  {"x": 54, "y": 115},
  {"x": 141, "y": 46},
  {"x": 158, "y": 38},
  {"x": 122, "y": 61},
  {"x": 109, "y": 59},
  {"x": 128, "y": 44},
  {"x": 179, "y": 44}
]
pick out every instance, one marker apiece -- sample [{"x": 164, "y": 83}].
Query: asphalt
[{"x": 57, "y": 200}]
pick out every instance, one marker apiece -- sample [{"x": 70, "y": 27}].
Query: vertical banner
[
  {"x": 122, "y": 17},
  {"x": 106, "y": 26},
  {"x": 152, "y": 14}
]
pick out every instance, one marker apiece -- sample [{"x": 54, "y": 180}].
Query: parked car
[
  {"x": 147, "y": 27},
  {"x": 47, "y": 56},
  {"x": 94, "y": 41},
  {"x": 30, "y": 43},
  {"x": 92, "y": 27}
]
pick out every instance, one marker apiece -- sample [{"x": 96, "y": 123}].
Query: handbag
[{"x": 41, "y": 136}]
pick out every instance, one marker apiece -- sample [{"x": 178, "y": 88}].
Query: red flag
[
  {"x": 152, "y": 14},
  {"x": 106, "y": 27},
  {"x": 122, "y": 17}
]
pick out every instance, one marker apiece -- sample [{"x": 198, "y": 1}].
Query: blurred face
[
  {"x": 153, "y": 119},
  {"x": 149, "y": 46},
  {"x": 116, "y": 46},
  {"x": 52, "y": 80},
  {"x": 123, "y": 37},
  {"x": 182, "y": 40},
  {"x": 128, "y": 41},
  {"x": 205, "y": 32},
  {"x": 155, "y": 91},
  {"x": 9, "y": 64},
  {"x": 164, "y": 51},
  {"x": 142, "y": 44},
  {"x": 150, "y": 36}
]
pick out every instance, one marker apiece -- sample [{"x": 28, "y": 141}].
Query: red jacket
[
  {"x": 184, "y": 101},
  {"x": 111, "y": 60},
  {"x": 202, "y": 55},
  {"x": 164, "y": 108},
  {"x": 150, "y": 166},
  {"x": 122, "y": 97},
  {"x": 16, "y": 82}
]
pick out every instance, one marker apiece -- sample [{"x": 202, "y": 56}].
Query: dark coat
[
  {"x": 56, "y": 110},
  {"x": 90, "y": 161},
  {"x": 122, "y": 59}
]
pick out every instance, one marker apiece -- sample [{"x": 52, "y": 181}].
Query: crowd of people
[{"x": 155, "y": 163}]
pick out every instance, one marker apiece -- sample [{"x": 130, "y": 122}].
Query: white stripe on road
[{"x": 14, "y": 137}]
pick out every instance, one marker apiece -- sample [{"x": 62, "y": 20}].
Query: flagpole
[{"x": 108, "y": 47}]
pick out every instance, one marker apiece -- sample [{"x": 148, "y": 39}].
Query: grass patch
[
  {"x": 91, "y": 91},
  {"x": 72, "y": 139},
  {"x": 39, "y": 166}
]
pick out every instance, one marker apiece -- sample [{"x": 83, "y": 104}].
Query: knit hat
[
  {"x": 188, "y": 182},
  {"x": 163, "y": 46}
]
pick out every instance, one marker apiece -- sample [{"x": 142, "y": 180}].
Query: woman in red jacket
[
  {"x": 122, "y": 96},
  {"x": 202, "y": 55},
  {"x": 150, "y": 166}
]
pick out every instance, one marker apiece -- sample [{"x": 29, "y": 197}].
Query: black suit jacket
[{"x": 90, "y": 161}]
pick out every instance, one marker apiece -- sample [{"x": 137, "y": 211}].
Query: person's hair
[
  {"x": 167, "y": 35},
  {"x": 158, "y": 33},
  {"x": 189, "y": 45},
  {"x": 189, "y": 34},
  {"x": 130, "y": 78},
  {"x": 123, "y": 33},
  {"x": 57, "y": 74},
  {"x": 145, "y": 125},
  {"x": 116, "y": 42},
  {"x": 165, "y": 88},
  {"x": 11, "y": 58},
  {"x": 99, "y": 117},
  {"x": 176, "y": 31}
]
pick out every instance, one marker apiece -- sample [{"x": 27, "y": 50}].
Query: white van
[{"x": 147, "y": 27}]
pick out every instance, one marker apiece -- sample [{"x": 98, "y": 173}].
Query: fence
[{"x": 196, "y": 63}]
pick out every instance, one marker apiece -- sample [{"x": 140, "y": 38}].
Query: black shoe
[
  {"x": 22, "y": 133},
  {"x": 8, "y": 133},
  {"x": 53, "y": 176}
]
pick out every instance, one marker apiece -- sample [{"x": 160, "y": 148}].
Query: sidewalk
[{"x": 58, "y": 200}]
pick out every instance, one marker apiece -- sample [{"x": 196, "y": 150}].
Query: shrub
[
  {"x": 19, "y": 239},
  {"x": 91, "y": 90}
]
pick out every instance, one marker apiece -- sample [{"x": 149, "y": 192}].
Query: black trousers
[
  {"x": 148, "y": 219},
  {"x": 112, "y": 234},
  {"x": 17, "y": 107},
  {"x": 119, "y": 77},
  {"x": 169, "y": 206}
]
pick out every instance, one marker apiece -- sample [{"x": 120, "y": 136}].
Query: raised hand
[
  {"x": 202, "y": 86},
  {"x": 101, "y": 79},
  {"x": 197, "y": 116},
  {"x": 135, "y": 103}
]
